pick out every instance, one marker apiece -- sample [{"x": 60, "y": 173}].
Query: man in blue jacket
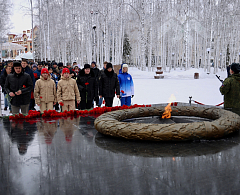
[
  {"x": 39, "y": 69},
  {"x": 126, "y": 86}
]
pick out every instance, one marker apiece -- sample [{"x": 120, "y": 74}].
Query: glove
[{"x": 132, "y": 96}]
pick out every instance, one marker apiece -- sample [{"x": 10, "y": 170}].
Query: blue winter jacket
[
  {"x": 120, "y": 70},
  {"x": 38, "y": 73},
  {"x": 30, "y": 72},
  {"x": 126, "y": 85}
]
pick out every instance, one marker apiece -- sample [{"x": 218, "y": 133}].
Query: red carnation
[
  {"x": 24, "y": 86},
  {"x": 61, "y": 104},
  {"x": 122, "y": 91},
  {"x": 87, "y": 83},
  {"x": 41, "y": 97}
]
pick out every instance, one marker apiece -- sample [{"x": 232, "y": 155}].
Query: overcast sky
[{"x": 20, "y": 19}]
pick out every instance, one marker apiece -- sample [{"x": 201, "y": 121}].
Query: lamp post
[
  {"x": 173, "y": 60},
  {"x": 94, "y": 14},
  {"x": 94, "y": 43},
  {"x": 221, "y": 60},
  {"x": 208, "y": 61}
]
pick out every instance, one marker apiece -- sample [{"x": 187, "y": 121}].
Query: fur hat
[
  {"x": 17, "y": 64},
  {"x": 60, "y": 64},
  {"x": 86, "y": 66},
  {"x": 109, "y": 65},
  {"x": 75, "y": 66},
  {"x": 235, "y": 67},
  {"x": 65, "y": 70},
  {"x": 44, "y": 70}
]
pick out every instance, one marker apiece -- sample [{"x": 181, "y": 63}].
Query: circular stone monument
[{"x": 224, "y": 122}]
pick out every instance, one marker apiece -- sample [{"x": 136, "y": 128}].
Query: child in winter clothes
[
  {"x": 67, "y": 91},
  {"x": 45, "y": 91},
  {"x": 126, "y": 86}
]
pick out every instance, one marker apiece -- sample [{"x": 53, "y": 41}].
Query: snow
[{"x": 178, "y": 82}]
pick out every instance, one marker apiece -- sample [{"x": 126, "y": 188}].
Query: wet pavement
[{"x": 68, "y": 156}]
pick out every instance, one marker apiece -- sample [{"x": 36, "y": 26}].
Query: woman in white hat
[{"x": 126, "y": 86}]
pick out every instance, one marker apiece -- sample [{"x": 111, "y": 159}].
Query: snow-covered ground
[{"x": 178, "y": 82}]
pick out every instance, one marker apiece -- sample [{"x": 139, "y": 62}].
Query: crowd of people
[{"x": 62, "y": 87}]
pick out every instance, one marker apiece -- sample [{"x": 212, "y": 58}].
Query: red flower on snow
[
  {"x": 87, "y": 83},
  {"x": 61, "y": 104},
  {"x": 24, "y": 86}
]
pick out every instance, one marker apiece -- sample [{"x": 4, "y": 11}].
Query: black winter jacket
[
  {"x": 15, "y": 82},
  {"x": 108, "y": 84},
  {"x": 3, "y": 80},
  {"x": 91, "y": 88},
  {"x": 97, "y": 72}
]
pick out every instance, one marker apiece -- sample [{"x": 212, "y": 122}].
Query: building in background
[{"x": 24, "y": 39}]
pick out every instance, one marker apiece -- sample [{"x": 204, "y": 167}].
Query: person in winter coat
[
  {"x": 39, "y": 69},
  {"x": 8, "y": 63},
  {"x": 97, "y": 74},
  {"x": 45, "y": 91},
  {"x": 87, "y": 86},
  {"x": 96, "y": 71},
  {"x": 108, "y": 85},
  {"x": 19, "y": 85},
  {"x": 54, "y": 77},
  {"x": 67, "y": 91},
  {"x": 101, "y": 72},
  {"x": 28, "y": 70},
  {"x": 120, "y": 70},
  {"x": 231, "y": 89},
  {"x": 55, "y": 67},
  {"x": 126, "y": 86},
  {"x": 34, "y": 67},
  {"x": 76, "y": 71},
  {"x": 3, "y": 77}
]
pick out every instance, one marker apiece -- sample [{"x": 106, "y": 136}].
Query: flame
[{"x": 168, "y": 109}]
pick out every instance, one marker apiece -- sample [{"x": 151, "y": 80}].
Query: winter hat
[
  {"x": 125, "y": 66},
  {"x": 75, "y": 66},
  {"x": 94, "y": 63},
  {"x": 65, "y": 70},
  {"x": 44, "y": 70},
  {"x": 17, "y": 64},
  {"x": 235, "y": 67},
  {"x": 60, "y": 64},
  {"x": 34, "y": 65},
  {"x": 109, "y": 65},
  {"x": 86, "y": 66}
]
